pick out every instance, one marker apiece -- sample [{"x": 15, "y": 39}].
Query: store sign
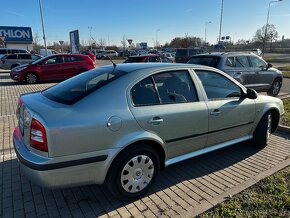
[{"x": 16, "y": 34}]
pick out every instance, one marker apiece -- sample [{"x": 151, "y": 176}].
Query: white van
[{"x": 49, "y": 52}]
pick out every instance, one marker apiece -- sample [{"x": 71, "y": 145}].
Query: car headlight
[{"x": 19, "y": 69}]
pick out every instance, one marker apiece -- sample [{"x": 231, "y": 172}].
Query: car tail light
[
  {"x": 38, "y": 136},
  {"x": 18, "y": 107}
]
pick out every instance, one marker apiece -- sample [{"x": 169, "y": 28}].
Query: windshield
[
  {"x": 205, "y": 60},
  {"x": 76, "y": 88}
]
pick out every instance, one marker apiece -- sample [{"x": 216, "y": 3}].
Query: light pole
[
  {"x": 266, "y": 28},
  {"x": 41, "y": 15},
  {"x": 157, "y": 37},
  {"x": 206, "y": 23},
  {"x": 221, "y": 21},
  {"x": 90, "y": 28}
]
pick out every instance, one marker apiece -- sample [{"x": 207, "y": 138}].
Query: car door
[
  {"x": 263, "y": 77},
  {"x": 51, "y": 68},
  {"x": 231, "y": 116},
  {"x": 167, "y": 105},
  {"x": 239, "y": 68}
]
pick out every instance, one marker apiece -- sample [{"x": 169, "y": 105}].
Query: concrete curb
[
  {"x": 237, "y": 189},
  {"x": 284, "y": 129}
]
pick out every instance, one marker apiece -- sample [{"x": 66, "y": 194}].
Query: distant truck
[{"x": 49, "y": 52}]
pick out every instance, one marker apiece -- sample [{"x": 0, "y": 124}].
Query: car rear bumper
[{"x": 53, "y": 173}]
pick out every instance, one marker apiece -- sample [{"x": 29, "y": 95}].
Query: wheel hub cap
[{"x": 137, "y": 174}]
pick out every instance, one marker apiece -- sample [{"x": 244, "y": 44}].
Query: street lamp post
[
  {"x": 266, "y": 28},
  {"x": 206, "y": 23},
  {"x": 221, "y": 21},
  {"x": 90, "y": 28},
  {"x": 41, "y": 15},
  {"x": 157, "y": 37}
]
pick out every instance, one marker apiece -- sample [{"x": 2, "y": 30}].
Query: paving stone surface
[{"x": 181, "y": 189}]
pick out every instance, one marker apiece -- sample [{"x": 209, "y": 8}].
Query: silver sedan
[{"x": 121, "y": 124}]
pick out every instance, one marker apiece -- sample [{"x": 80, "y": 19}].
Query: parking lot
[{"x": 183, "y": 189}]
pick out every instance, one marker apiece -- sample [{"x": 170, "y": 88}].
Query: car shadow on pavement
[{"x": 95, "y": 200}]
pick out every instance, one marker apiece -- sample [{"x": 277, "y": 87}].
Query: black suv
[{"x": 183, "y": 54}]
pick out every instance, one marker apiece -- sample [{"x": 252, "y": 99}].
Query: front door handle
[
  {"x": 155, "y": 121},
  {"x": 215, "y": 112}
]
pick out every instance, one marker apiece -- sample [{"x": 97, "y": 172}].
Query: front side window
[
  {"x": 218, "y": 86},
  {"x": 257, "y": 62},
  {"x": 54, "y": 60}
]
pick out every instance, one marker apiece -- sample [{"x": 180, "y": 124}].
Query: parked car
[
  {"x": 148, "y": 58},
  {"x": 107, "y": 53},
  {"x": 182, "y": 55},
  {"x": 169, "y": 55},
  {"x": 10, "y": 61},
  {"x": 5, "y": 51},
  {"x": 121, "y": 124},
  {"x": 90, "y": 54},
  {"x": 246, "y": 67},
  {"x": 54, "y": 67},
  {"x": 49, "y": 52}
]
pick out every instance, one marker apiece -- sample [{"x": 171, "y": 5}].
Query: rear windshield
[
  {"x": 205, "y": 60},
  {"x": 72, "y": 90},
  {"x": 133, "y": 60}
]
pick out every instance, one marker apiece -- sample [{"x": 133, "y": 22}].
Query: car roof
[
  {"x": 131, "y": 67},
  {"x": 222, "y": 54}
]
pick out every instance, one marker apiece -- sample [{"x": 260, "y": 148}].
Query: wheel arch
[
  {"x": 275, "y": 117},
  {"x": 156, "y": 146}
]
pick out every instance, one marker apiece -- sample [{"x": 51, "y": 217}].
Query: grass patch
[
  {"x": 268, "y": 198},
  {"x": 286, "y": 118},
  {"x": 284, "y": 68},
  {"x": 286, "y": 73}
]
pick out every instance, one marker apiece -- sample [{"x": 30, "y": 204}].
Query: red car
[
  {"x": 90, "y": 54},
  {"x": 53, "y": 67},
  {"x": 148, "y": 58}
]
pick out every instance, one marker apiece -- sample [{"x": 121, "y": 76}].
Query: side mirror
[
  {"x": 269, "y": 66},
  {"x": 251, "y": 94}
]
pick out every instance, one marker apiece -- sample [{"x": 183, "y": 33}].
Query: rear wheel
[
  {"x": 275, "y": 89},
  {"x": 132, "y": 174},
  {"x": 263, "y": 131},
  {"x": 31, "y": 78}
]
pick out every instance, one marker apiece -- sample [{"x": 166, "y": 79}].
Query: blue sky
[{"x": 144, "y": 20}]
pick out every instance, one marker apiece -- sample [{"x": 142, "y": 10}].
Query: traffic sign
[
  {"x": 130, "y": 41},
  {"x": 61, "y": 42}
]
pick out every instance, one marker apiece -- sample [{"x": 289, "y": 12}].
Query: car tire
[
  {"x": 263, "y": 131},
  {"x": 275, "y": 88},
  {"x": 133, "y": 172},
  {"x": 31, "y": 78},
  {"x": 13, "y": 66}
]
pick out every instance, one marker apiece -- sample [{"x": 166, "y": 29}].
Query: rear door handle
[
  {"x": 155, "y": 121},
  {"x": 215, "y": 112}
]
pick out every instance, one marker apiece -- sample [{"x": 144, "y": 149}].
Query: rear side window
[
  {"x": 204, "y": 60},
  {"x": 11, "y": 57},
  {"x": 238, "y": 61},
  {"x": 76, "y": 88},
  {"x": 164, "y": 88},
  {"x": 72, "y": 59}
]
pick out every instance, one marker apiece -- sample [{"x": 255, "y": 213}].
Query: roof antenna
[{"x": 111, "y": 61}]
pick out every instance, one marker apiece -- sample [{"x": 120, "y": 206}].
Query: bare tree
[
  {"x": 102, "y": 42},
  {"x": 271, "y": 35}
]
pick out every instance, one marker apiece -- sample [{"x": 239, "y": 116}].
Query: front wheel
[
  {"x": 263, "y": 131},
  {"x": 133, "y": 172},
  {"x": 275, "y": 89},
  {"x": 31, "y": 78}
]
